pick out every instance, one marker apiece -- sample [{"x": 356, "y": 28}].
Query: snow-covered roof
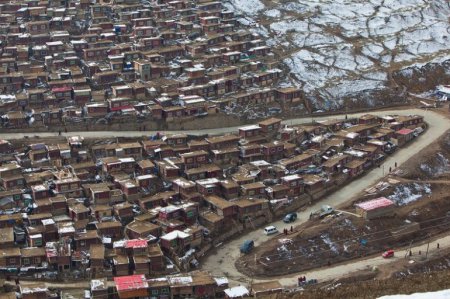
[
  {"x": 181, "y": 280},
  {"x": 174, "y": 235},
  {"x": 251, "y": 127},
  {"x": 220, "y": 281},
  {"x": 236, "y": 292}
]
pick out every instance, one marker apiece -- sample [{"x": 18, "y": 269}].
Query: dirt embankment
[
  {"x": 425, "y": 78},
  {"x": 423, "y": 282},
  {"x": 432, "y": 163}
]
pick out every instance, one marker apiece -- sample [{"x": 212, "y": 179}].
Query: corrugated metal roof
[
  {"x": 130, "y": 282},
  {"x": 375, "y": 204}
]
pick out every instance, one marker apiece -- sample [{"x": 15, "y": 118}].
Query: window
[
  {"x": 165, "y": 291},
  {"x": 12, "y": 260},
  {"x": 26, "y": 261},
  {"x": 66, "y": 267},
  {"x": 155, "y": 292},
  {"x": 82, "y": 243}
]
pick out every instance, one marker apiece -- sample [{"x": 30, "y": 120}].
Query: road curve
[
  {"x": 112, "y": 134},
  {"x": 222, "y": 262}
]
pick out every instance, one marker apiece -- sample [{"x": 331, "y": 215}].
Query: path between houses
[{"x": 221, "y": 263}]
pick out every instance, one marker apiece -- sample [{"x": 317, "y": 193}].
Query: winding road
[{"x": 222, "y": 262}]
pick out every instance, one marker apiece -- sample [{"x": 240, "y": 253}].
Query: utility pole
[{"x": 409, "y": 249}]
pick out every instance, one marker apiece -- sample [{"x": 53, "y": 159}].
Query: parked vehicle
[
  {"x": 247, "y": 246},
  {"x": 325, "y": 211},
  {"x": 291, "y": 217},
  {"x": 270, "y": 230},
  {"x": 387, "y": 254}
]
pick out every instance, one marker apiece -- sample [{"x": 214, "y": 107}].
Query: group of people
[
  {"x": 286, "y": 231},
  {"x": 301, "y": 279}
]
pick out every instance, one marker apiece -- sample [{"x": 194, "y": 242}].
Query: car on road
[
  {"x": 291, "y": 217},
  {"x": 325, "y": 211},
  {"x": 270, "y": 230},
  {"x": 247, "y": 246},
  {"x": 388, "y": 253}
]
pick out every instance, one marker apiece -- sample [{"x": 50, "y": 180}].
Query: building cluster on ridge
[{"x": 103, "y": 208}]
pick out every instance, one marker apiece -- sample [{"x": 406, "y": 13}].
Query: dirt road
[
  {"x": 329, "y": 273},
  {"x": 429, "y": 115},
  {"x": 81, "y": 285},
  {"x": 222, "y": 262}
]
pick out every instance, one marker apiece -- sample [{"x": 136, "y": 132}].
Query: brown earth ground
[{"x": 403, "y": 278}]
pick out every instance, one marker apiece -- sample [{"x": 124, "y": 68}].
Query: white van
[{"x": 270, "y": 230}]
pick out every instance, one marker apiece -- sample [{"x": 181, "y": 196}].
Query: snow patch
[
  {"x": 444, "y": 294},
  {"x": 273, "y": 13},
  {"x": 405, "y": 194},
  {"x": 440, "y": 166},
  {"x": 249, "y": 7},
  {"x": 326, "y": 239}
]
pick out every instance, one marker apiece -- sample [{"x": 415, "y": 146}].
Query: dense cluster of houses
[
  {"x": 66, "y": 61},
  {"x": 102, "y": 208}
]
